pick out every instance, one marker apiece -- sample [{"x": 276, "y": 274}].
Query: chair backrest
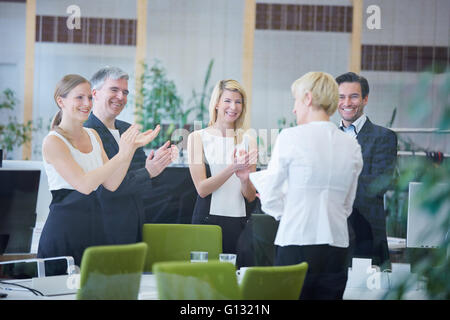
[
  {"x": 212, "y": 280},
  {"x": 174, "y": 242},
  {"x": 112, "y": 272},
  {"x": 264, "y": 230},
  {"x": 273, "y": 283}
]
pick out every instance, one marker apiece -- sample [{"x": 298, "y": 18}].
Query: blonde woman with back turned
[
  {"x": 76, "y": 165},
  {"x": 309, "y": 185},
  {"x": 220, "y": 160}
]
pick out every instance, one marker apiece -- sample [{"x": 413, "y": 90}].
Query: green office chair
[
  {"x": 174, "y": 242},
  {"x": 273, "y": 283},
  {"x": 112, "y": 272},
  {"x": 211, "y": 280}
]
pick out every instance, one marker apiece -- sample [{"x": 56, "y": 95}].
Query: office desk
[
  {"x": 148, "y": 291},
  {"x": 380, "y": 294},
  {"x": 368, "y": 283}
]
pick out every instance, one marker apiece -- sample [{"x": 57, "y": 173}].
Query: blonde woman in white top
[
  {"x": 221, "y": 157},
  {"x": 76, "y": 166},
  {"x": 310, "y": 185}
]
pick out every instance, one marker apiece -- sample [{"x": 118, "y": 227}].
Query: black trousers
[{"x": 327, "y": 269}]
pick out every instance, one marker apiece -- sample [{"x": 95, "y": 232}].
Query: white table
[
  {"x": 147, "y": 291},
  {"x": 366, "y": 282},
  {"x": 380, "y": 294},
  {"x": 356, "y": 288}
]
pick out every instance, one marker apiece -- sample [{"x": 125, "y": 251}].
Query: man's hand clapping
[{"x": 157, "y": 161}]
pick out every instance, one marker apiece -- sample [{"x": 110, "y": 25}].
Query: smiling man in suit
[
  {"x": 367, "y": 223},
  {"x": 124, "y": 211}
]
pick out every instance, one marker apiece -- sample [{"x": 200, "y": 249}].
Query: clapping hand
[
  {"x": 146, "y": 137},
  {"x": 175, "y": 152},
  {"x": 127, "y": 143},
  {"x": 243, "y": 163},
  {"x": 157, "y": 161},
  {"x": 132, "y": 139}
]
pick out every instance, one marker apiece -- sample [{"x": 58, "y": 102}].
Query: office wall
[
  {"x": 185, "y": 35},
  {"x": 408, "y": 23},
  {"x": 53, "y": 60},
  {"x": 282, "y": 56},
  {"x": 12, "y": 58}
]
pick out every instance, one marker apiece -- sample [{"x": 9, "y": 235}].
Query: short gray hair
[{"x": 114, "y": 73}]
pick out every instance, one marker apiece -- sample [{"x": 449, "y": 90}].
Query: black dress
[
  {"x": 74, "y": 223},
  {"x": 75, "y": 220}
]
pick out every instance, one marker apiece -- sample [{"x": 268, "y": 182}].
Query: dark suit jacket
[
  {"x": 123, "y": 209},
  {"x": 368, "y": 219}
]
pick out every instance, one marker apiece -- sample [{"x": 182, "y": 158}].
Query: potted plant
[
  {"x": 13, "y": 133},
  {"x": 161, "y": 103},
  {"x": 200, "y": 100}
]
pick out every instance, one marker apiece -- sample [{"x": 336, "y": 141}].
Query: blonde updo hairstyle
[{"x": 323, "y": 88}]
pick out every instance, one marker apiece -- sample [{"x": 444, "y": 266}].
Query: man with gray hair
[{"x": 123, "y": 209}]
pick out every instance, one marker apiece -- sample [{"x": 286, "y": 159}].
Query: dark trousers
[{"x": 327, "y": 269}]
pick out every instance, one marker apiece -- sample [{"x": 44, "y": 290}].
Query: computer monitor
[
  {"x": 18, "y": 198},
  {"x": 424, "y": 229}
]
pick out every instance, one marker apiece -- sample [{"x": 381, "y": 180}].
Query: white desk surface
[
  {"x": 148, "y": 291},
  {"x": 379, "y": 294}
]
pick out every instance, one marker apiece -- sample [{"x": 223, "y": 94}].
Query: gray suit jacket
[{"x": 368, "y": 220}]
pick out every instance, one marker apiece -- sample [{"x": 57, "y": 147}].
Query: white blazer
[{"x": 310, "y": 184}]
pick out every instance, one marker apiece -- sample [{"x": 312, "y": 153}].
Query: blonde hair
[
  {"x": 323, "y": 88},
  {"x": 63, "y": 87},
  {"x": 230, "y": 85}
]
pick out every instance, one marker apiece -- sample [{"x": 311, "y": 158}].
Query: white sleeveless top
[
  {"x": 87, "y": 161},
  {"x": 227, "y": 200}
]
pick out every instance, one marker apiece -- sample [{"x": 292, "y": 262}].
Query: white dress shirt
[
  {"x": 310, "y": 184},
  {"x": 355, "y": 127},
  {"x": 116, "y": 134}
]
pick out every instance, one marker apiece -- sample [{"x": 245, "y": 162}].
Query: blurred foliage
[
  {"x": 432, "y": 265},
  {"x": 199, "y": 102},
  {"x": 161, "y": 103},
  {"x": 14, "y": 133},
  {"x": 283, "y": 123}
]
